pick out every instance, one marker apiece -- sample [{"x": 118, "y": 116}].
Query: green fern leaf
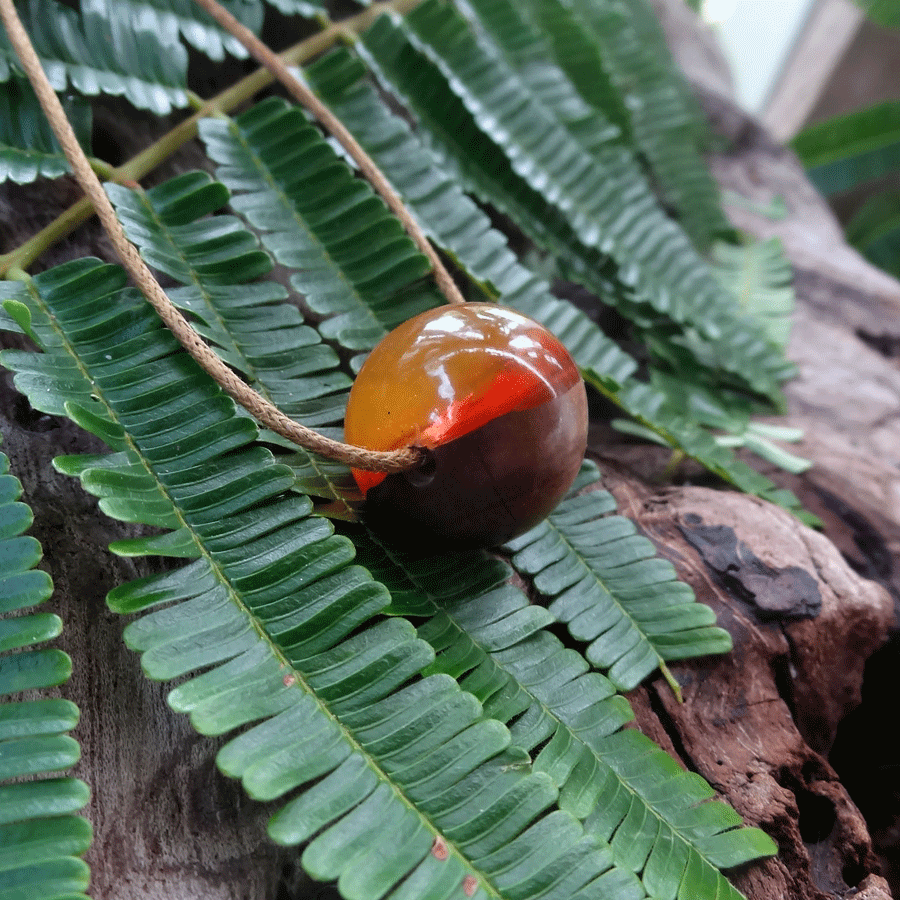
[
  {"x": 516, "y": 627},
  {"x": 252, "y": 326},
  {"x": 579, "y": 206},
  {"x": 529, "y": 52},
  {"x": 103, "y": 52},
  {"x": 659, "y": 821},
  {"x": 851, "y": 149},
  {"x": 198, "y": 29},
  {"x": 353, "y": 262},
  {"x": 381, "y": 762},
  {"x": 28, "y": 148},
  {"x": 613, "y": 592},
  {"x": 41, "y": 839},
  {"x": 582, "y": 60},
  {"x": 276, "y": 629}
]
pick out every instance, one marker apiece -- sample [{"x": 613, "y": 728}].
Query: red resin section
[{"x": 447, "y": 373}]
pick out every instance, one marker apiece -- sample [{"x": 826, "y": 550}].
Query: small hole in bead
[{"x": 423, "y": 474}]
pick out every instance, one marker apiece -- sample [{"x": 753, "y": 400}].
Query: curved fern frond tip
[
  {"x": 607, "y": 584},
  {"x": 41, "y": 838}
]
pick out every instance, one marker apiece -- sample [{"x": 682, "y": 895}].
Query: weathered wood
[
  {"x": 817, "y": 53},
  {"x": 757, "y": 722},
  {"x": 846, "y": 398}
]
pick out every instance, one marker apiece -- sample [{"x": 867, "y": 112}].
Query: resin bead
[{"x": 496, "y": 400}]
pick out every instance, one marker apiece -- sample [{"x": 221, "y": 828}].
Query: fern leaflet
[
  {"x": 41, "y": 840},
  {"x": 101, "y": 52},
  {"x": 28, "y": 148}
]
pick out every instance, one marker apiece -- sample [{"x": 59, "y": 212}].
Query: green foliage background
[
  {"x": 855, "y": 157},
  {"x": 425, "y": 729}
]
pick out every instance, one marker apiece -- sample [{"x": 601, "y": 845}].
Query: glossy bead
[{"x": 499, "y": 404}]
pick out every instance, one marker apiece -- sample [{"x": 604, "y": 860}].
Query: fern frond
[
  {"x": 527, "y": 50},
  {"x": 253, "y": 327},
  {"x": 605, "y": 195},
  {"x": 353, "y": 262},
  {"x": 276, "y": 629},
  {"x": 761, "y": 277},
  {"x": 41, "y": 840},
  {"x": 582, "y": 60},
  {"x": 659, "y": 821},
  {"x": 664, "y": 117},
  {"x": 609, "y": 587},
  {"x": 527, "y": 618},
  {"x": 646, "y": 104},
  {"x": 196, "y": 27},
  {"x": 28, "y": 148},
  {"x": 579, "y": 206},
  {"x": 101, "y": 51}
]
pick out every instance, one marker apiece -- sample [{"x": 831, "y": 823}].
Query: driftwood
[
  {"x": 758, "y": 723},
  {"x": 764, "y": 732},
  {"x": 806, "y": 609}
]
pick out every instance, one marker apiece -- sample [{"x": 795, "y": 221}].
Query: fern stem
[
  {"x": 262, "y": 54},
  {"x": 102, "y": 168},
  {"x": 154, "y": 155},
  {"x": 260, "y": 408}
]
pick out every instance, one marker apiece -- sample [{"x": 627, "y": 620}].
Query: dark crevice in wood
[
  {"x": 784, "y": 679},
  {"x": 888, "y": 345},
  {"x": 671, "y": 728},
  {"x": 877, "y": 561}
]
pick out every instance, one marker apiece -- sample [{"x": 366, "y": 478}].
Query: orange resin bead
[{"x": 499, "y": 404}]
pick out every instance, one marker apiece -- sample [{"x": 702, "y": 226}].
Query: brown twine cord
[
  {"x": 263, "y": 55},
  {"x": 261, "y": 409}
]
